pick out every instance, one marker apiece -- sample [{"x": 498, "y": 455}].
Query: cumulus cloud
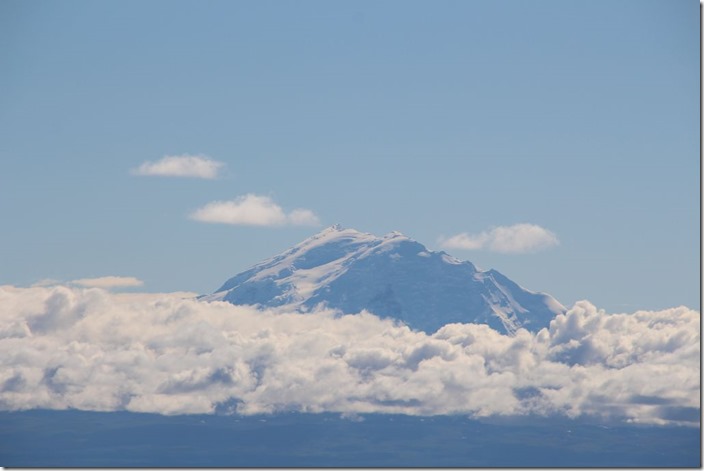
[
  {"x": 192, "y": 166},
  {"x": 253, "y": 210},
  {"x": 519, "y": 238},
  {"x": 68, "y": 347},
  {"x": 109, "y": 282}
]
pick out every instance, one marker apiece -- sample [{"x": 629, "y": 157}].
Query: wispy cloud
[
  {"x": 519, "y": 238},
  {"x": 191, "y": 166},
  {"x": 109, "y": 282},
  {"x": 65, "y": 347},
  {"x": 46, "y": 282},
  {"x": 253, "y": 210}
]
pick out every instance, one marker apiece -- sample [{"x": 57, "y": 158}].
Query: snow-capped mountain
[{"x": 391, "y": 276}]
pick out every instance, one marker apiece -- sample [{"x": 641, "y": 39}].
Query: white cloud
[
  {"x": 464, "y": 241},
  {"x": 109, "y": 282},
  {"x": 519, "y": 238},
  {"x": 193, "y": 166},
  {"x": 253, "y": 210},
  {"x": 89, "y": 349},
  {"x": 46, "y": 282},
  {"x": 303, "y": 217}
]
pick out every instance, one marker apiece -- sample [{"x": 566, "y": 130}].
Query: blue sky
[{"x": 431, "y": 118}]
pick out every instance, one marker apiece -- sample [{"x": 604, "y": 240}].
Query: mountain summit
[{"x": 390, "y": 276}]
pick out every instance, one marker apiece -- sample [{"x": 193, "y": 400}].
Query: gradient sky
[{"x": 430, "y": 118}]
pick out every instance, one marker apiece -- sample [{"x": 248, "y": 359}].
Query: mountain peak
[
  {"x": 393, "y": 234},
  {"x": 390, "y": 276},
  {"x": 335, "y": 233},
  {"x": 337, "y": 230}
]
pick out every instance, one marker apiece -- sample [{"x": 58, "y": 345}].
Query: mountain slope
[{"x": 391, "y": 276}]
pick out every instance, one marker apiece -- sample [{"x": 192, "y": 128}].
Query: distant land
[{"x": 42, "y": 438}]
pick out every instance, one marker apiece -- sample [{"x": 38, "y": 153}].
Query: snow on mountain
[{"x": 391, "y": 276}]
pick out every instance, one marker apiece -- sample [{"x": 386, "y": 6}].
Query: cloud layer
[
  {"x": 192, "y": 166},
  {"x": 88, "y": 349},
  {"x": 109, "y": 282},
  {"x": 519, "y": 238},
  {"x": 253, "y": 210}
]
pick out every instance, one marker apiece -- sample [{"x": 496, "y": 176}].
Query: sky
[{"x": 174, "y": 144}]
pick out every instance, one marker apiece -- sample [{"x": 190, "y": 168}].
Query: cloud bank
[
  {"x": 108, "y": 282},
  {"x": 64, "y": 347},
  {"x": 191, "y": 166},
  {"x": 519, "y": 238},
  {"x": 253, "y": 210}
]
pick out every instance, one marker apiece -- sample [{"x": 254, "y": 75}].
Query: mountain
[{"x": 391, "y": 276}]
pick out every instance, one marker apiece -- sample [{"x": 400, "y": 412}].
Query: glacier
[{"x": 392, "y": 276}]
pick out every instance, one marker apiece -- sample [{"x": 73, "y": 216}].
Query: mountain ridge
[{"x": 390, "y": 276}]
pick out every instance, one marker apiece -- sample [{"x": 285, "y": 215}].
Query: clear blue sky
[{"x": 428, "y": 117}]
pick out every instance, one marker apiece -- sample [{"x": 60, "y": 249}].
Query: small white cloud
[
  {"x": 303, "y": 217},
  {"x": 109, "y": 282},
  {"x": 193, "y": 166},
  {"x": 253, "y": 210},
  {"x": 519, "y": 238},
  {"x": 152, "y": 297},
  {"x": 464, "y": 241},
  {"x": 46, "y": 282}
]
